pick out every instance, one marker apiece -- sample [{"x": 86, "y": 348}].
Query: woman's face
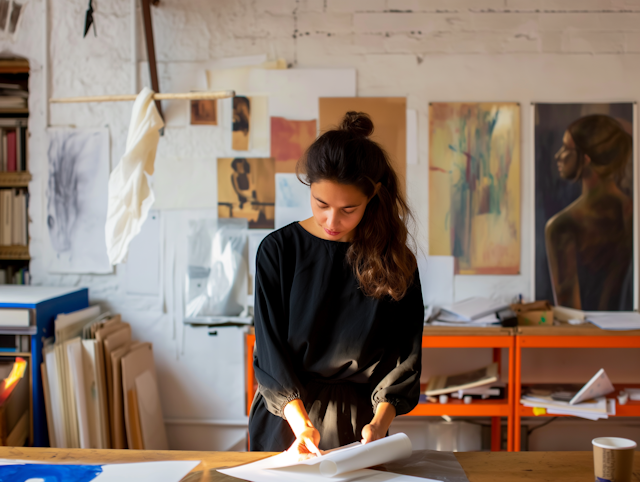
[
  {"x": 337, "y": 209},
  {"x": 567, "y": 158}
]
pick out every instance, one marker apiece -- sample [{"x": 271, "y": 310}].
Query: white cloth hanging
[{"x": 130, "y": 193}]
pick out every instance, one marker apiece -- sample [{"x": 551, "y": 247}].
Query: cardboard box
[{"x": 534, "y": 314}]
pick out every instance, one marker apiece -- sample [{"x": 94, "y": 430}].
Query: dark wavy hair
[
  {"x": 380, "y": 255},
  {"x": 605, "y": 141}
]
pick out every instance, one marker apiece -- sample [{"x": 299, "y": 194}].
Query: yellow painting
[
  {"x": 474, "y": 186},
  {"x": 247, "y": 189}
]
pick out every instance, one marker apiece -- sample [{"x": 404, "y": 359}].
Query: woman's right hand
[{"x": 305, "y": 446}]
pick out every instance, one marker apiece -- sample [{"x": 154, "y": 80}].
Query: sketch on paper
[
  {"x": 289, "y": 141},
  {"x": 204, "y": 112},
  {"x": 241, "y": 123},
  {"x": 77, "y": 200},
  {"x": 11, "y": 13},
  {"x": 292, "y": 200},
  {"x": 474, "y": 186},
  {"x": 246, "y": 189},
  {"x": 584, "y": 209}
]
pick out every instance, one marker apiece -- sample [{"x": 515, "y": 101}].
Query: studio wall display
[
  {"x": 247, "y": 189},
  {"x": 584, "y": 210},
  {"x": 77, "y": 200},
  {"x": 241, "y": 123},
  {"x": 474, "y": 186},
  {"x": 389, "y": 116},
  {"x": 289, "y": 140}
]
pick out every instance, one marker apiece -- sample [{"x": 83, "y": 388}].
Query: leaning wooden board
[{"x": 479, "y": 466}]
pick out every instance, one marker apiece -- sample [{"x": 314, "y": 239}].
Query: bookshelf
[{"x": 14, "y": 171}]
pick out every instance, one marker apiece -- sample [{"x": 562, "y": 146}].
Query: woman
[
  {"x": 338, "y": 308},
  {"x": 590, "y": 242}
]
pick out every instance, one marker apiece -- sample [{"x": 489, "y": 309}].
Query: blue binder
[{"x": 46, "y": 303}]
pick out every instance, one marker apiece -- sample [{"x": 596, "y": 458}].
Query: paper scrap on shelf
[
  {"x": 344, "y": 464},
  {"x": 475, "y": 308},
  {"x": 598, "y": 386},
  {"x": 616, "y": 321}
]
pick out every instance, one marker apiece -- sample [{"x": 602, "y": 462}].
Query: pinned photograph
[
  {"x": 247, "y": 189},
  {"x": 204, "y": 112},
  {"x": 584, "y": 209},
  {"x": 289, "y": 141},
  {"x": 241, "y": 123}
]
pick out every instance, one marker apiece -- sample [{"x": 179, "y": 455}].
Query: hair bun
[{"x": 357, "y": 123}]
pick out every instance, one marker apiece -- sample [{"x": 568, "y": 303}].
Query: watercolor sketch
[
  {"x": 166, "y": 471},
  {"x": 204, "y": 112},
  {"x": 289, "y": 141},
  {"x": 246, "y": 189},
  {"x": 293, "y": 200},
  {"x": 241, "y": 123},
  {"x": 584, "y": 209},
  {"x": 474, "y": 186},
  {"x": 77, "y": 200}
]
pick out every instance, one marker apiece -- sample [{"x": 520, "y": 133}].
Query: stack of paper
[
  {"x": 493, "y": 390},
  {"x": 481, "y": 377},
  {"x": 589, "y": 402},
  {"x": 469, "y": 312}
]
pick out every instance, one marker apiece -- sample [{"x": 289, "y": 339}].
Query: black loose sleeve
[
  {"x": 400, "y": 386},
  {"x": 278, "y": 382}
]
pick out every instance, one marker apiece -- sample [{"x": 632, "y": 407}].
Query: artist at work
[
  {"x": 590, "y": 242},
  {"x": 338, "y": 305}
]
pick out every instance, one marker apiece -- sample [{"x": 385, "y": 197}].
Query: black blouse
[{"x": 320, "y": 339}]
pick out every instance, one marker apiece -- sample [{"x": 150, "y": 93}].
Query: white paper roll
[{"x": 381, "y": 451}]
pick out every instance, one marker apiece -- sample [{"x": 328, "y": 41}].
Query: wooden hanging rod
[{"x": 225, "y": 94}]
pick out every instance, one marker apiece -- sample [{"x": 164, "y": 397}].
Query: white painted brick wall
[{"x": 427, "y": 50}]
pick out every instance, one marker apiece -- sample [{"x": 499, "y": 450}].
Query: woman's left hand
[{"x": 372, "y": 432}]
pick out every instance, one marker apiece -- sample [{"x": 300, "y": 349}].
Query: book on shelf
[
  {"x": 13, "y": 146},
  {"x": 14, "y": 217}
]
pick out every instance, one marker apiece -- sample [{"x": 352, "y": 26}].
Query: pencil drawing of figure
[
  {"x": 590, "y": 242},
  {"x": 241, "y": 181},
  {"x": 62, "y": 194},
  {"x": 77, "y": 200}
]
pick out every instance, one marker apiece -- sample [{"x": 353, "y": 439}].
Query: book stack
[
  {"x": 13, "y": 96},
  {"x": 13, "y": 217},
  {"x": 100, "y": 385},
  {"x": 15, "y": 275}
]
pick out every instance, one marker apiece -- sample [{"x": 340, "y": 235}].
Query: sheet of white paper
[
  {"x": 259, "y": 133},
  {"x": 345, "y": 464},
  {"x": 76, "y": 201},
  {"x": 436, "y": 277},
  {"x": 616, "y": 321},
  {"x": 164, "y": 471},
  {"x": 292, "y": 200},
  {"x": 598, "y": 386},
  {"x": 412, "y": 136},
  {"x": 143, "y": 266}
]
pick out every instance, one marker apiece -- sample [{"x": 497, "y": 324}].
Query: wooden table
[{"x": 479, "y": 466}]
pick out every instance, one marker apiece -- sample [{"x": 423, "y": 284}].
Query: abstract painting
[
  {"x": 204, "y": 112},
  {"x": 77, "y": 200},
  {"x": 474, "y": 186},
  {"x": 584, "y": 210},
  {"x": 289, "y": 141},
  {"x": 241, "y": 123},
  {"x": 247, "y": 189}
]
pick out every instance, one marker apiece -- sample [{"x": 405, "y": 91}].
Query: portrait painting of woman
[{"x": 584, "y": 206}]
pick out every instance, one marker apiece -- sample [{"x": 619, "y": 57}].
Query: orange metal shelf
[{"x": 457, "y": 408}]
